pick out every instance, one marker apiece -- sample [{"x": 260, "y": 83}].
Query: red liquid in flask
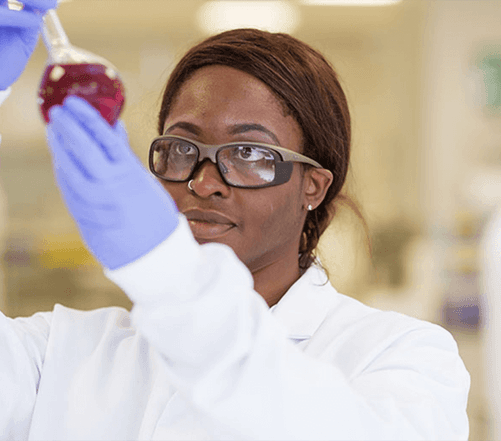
[{"x": 98, "y": 84}]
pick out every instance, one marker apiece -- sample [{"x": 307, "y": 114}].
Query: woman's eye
[
  {"x": 183, "y": 148},
  {"x": 252, "y": 154}
]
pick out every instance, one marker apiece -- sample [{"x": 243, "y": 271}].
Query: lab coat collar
[{"x": 306, "y": 304}]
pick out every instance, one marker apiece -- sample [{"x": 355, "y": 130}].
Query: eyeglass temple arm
[{"x": 289, "y": 155}]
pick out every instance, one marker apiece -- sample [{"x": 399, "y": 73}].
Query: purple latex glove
[
  {"x": 19, "y": 32},
  {"x": 121, "y": 210}
]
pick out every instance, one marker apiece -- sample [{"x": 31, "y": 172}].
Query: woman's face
[{"x": 218, "y": 105}]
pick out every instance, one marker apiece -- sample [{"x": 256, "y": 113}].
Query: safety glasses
[{"x": 241, "y": 164}]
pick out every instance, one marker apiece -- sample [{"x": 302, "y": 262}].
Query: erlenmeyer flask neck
[
  {"x": 58, "y": 46},
  {"x": 54, "y": 37}
]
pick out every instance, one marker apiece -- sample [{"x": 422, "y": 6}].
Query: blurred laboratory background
[{"x": 423, "y": 80}]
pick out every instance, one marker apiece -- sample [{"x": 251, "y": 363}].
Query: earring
[
  {"x": 309, "y": 207},
  {"x": 189, "y": 185}
]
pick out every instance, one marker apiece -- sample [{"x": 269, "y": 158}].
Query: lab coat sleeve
[
  {"x": 232, "y": 360},
  {"x": 23, "y": 343}
]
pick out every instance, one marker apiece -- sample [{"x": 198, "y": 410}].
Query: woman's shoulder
[
  {"x": 353, "y": 312},
  {"x": 351, "y": 316},
  {"x": 356, "y": 336}
]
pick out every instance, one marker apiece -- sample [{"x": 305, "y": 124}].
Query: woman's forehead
[
  {"x": 214, "y": 84},
  {"x": 218, "y": 96}
]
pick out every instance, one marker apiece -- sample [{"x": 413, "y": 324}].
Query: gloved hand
[
  {"x": 18, "y": 37},
  {"x": 121, "y": 210}
]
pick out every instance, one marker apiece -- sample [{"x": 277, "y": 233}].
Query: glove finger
[
  {"x": 118, "y": 153},
  {"x": 64, "y": 162},
  {"x": 19, "y": 19},
  {"x": 88, "y": 215},
  {"x": 64, "y": 155},
  {"x": 80, "y": 146},
  {"x": 85, "y": 199},
  {"x": 86, "y": 203},
  {"x": 112, "y": 145}
]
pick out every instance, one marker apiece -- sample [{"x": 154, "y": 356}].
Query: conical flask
[{"x": 74, "y": 71}]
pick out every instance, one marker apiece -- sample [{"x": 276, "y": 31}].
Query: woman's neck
[{"x": 274, "y": 280}]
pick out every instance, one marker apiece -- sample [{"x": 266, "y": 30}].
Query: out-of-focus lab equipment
[
  {"x": 491, "y": 258},
  {"x": 74, "y": 71}
]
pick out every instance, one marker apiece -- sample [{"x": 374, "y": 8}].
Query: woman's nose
[{"x": 207, "y": 181}]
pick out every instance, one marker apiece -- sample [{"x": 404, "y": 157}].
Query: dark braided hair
[{"x": 308, "y": 88}]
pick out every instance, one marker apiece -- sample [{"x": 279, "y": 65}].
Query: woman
[
  {"x": 270, "y": 226},
  {"x": 253, "y": 151}
]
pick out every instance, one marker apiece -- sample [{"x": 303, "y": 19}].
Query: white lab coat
[{"x": 202, "y": 356}]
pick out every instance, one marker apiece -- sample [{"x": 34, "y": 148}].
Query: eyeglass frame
[{"x": 284, "y": 159}]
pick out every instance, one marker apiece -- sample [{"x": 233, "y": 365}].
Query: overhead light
[
  {"x": 14, "y": 5},
  {"x": 350, "y": 2},
  {"x": 274, "y": 16}
]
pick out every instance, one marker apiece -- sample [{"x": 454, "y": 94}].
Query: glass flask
[{"x": 74, "y": 71}]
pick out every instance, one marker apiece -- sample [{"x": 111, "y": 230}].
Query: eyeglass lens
[{"x": 243, "y": 165}]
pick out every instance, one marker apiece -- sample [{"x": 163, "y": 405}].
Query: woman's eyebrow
[
  {"x": 242, "y": 128},
  {"x": 235, "y": 130},
  {"x": 189, "y": 127}
]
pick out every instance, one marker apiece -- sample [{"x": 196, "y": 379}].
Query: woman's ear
[{"x": 316, "y": 183}]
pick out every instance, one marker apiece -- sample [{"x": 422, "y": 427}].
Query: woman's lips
[
  {"x": 208, "y": 230},
  {"x": 208, "y": 224}
]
